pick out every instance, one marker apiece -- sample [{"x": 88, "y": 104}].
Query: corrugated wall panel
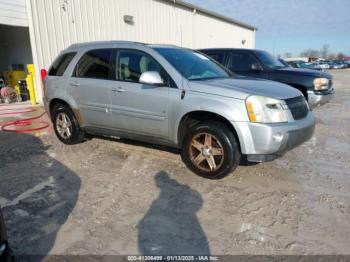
[
  {"x": 60, "y": 23},
  {"x": 13, "y": 12}
]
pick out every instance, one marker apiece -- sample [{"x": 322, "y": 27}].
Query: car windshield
[
  {"x": 269, "y": 60},
  {"x": 193, "y": 65}
]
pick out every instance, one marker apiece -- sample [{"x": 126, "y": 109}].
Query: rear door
[
  {"x": 139, "y": 108},
  {"x": 91, "y": 86}
]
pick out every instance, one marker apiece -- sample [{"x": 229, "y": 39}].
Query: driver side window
[
  {"x": 131, "y": 64},
  {"x": 242, "y": 62}
]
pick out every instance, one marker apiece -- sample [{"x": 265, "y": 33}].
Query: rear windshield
[
  {"x": 193, "y": 65},
  {"x": 61, "y": 63}
]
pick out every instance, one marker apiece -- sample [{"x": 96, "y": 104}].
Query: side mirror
[
  {"x": 256, "y": 67},
  {"x": 151, "y": 78}
]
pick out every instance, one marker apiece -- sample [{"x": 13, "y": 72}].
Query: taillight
[{"x": 43, "y": 73}]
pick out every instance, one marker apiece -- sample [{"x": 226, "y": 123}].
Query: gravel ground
[{"x": 110, "y": 197}]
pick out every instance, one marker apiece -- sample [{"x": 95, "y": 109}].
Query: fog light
[{"x": 277, "y": 137}]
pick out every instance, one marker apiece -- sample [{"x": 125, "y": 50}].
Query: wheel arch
[
  {"x": 194, "y": 117},
  {"x": 56, "y": 101},
  {"x": 75, "y": 110}
]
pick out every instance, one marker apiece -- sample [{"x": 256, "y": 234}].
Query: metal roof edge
[{"x": 210, "y": 13}]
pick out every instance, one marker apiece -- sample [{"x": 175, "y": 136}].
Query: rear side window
[
  {"x": 217, "y": 56},
  {"x": 96, "y": 64},
  {"x": 61, "y": 63}
]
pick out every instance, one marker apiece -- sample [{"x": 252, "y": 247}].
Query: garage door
[{"x": 13, "y": 12}]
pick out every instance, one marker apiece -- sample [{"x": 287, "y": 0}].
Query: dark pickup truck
[{"x": 316, "y": 86}]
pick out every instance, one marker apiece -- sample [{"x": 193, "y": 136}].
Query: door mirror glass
[
  {"x": 256, "y": 67},
  {"x": 151, "y": 78}
]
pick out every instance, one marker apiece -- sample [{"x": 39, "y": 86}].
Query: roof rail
[{"x": 76, "y": 45}]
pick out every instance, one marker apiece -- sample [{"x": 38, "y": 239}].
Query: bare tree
[
  {"x": 331, "y": 57},
  {"x": 340, "y": 56},
  {"x": 310, "y": 53},
  {"x": 324, "y": 51}
]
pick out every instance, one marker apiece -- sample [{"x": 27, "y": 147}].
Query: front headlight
[
  {"x": 321, "y": 84},
  {"x": 265, "y": 110}
]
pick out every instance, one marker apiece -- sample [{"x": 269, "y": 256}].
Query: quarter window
[
  {"x": 242, "y": 62},
  {"x": 96, "y": 64},
  {"x": 61, "y": 63}
]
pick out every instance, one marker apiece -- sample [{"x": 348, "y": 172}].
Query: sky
[{"x": 290, "y": 25}]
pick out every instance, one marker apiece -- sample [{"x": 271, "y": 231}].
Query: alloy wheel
[
  {"x": 64, "y": 125},
  {"x": 206, "y": 152}
]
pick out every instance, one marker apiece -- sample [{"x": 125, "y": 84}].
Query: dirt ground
[{"x": 107, "y": 197}]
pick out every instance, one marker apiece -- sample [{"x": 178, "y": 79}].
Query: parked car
[
  {"x": 341, "y": 64},
  {"x": 5, "y": 252},
  {"x": 336, "y": 65},
  {"x": 302, "y": 64},
  {"x": 323, "y": 65},
  {"x": 175, "y": 97},
  {"x": 316, "y": 86}
]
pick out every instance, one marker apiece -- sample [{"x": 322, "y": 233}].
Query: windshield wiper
[{"x": 209, "y": 78}]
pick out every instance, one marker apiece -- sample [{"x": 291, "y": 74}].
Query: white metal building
[{"x": 37, "y": 30}]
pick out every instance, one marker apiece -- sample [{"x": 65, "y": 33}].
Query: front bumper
[
  {"x": 46, "y": 106},
  {"x": 317, "y": 98},
  {"x": 265, "y": 142}
]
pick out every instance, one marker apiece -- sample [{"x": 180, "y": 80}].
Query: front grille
[{"x": 298, "y": 107}]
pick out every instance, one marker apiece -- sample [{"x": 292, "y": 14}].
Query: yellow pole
[{"x": 30, "y": 83}]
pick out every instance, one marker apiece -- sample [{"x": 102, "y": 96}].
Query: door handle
[
  {"x": 75, "y": 84},
  {"x": 118, "y": 90}
]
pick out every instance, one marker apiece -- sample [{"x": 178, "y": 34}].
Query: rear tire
[
  {"x": 66, "y": 125},
  {"x": 211, "y": 150}
]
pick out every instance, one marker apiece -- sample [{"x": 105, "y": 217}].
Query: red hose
[
  {"x": 23, "y": 122},
  {"x": 24, "y": 110}
]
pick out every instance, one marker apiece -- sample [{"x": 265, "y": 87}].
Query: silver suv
[{"x": 175, "y": 97}]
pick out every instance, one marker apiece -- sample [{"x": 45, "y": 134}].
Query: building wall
[
  {"x": 13, "y": 12},
  {"x": 57, "y": 24},
  {"x": 14, "y": 47}
]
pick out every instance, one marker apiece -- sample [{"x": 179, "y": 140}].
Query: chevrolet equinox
[{"x": 176, "y": 97}]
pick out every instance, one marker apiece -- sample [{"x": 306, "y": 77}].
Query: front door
[
  {"x": 139, "y": 108},
  {"x": 245, "y": 63}
]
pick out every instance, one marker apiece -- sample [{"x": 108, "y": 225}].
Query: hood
[
  {"x": 304, "y": 72},
  {"x": 242, "y": 87}
]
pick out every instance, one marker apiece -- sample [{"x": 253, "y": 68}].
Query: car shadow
[
  {"x": 171, "y": 226},
  {"x": 244, "y": 161},
  {"x": 37, "y": 194}
]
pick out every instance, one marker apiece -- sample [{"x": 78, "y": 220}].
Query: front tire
[
  {"x": 211, "y": 150},
  {"x": 66, "y": 126}
]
